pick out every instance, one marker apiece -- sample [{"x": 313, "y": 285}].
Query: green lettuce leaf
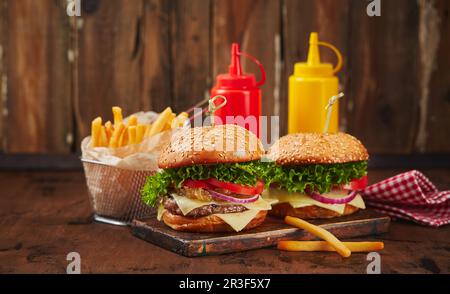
[
  {"x": 155, "y": 185},
  {"x": 246, "y": 174},
  {"x": 319, "y": 177},
  {"x": 294, "y": 179}
]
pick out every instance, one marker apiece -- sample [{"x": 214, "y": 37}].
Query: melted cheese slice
[
  {"x": 161, "y": 211},
  {"x": 238, "y": 220},
  {"x": 186, "y": 204},
  {"x": 297, "y": 200}
]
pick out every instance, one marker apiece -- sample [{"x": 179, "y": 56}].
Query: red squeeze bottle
[{"x": 242, "y": 92}]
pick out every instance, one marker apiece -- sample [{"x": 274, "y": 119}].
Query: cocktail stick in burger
[
  {"x": 316, "y": 175},
  {"x": 209, "y": 181}
]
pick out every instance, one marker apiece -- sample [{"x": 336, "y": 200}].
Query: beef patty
[{"x": 171, "y": 205}]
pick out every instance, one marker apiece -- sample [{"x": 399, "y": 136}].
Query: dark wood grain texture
[
  {"x": 362, "y": 223},
  {"x": 109, "y": 61},
  {"x": 3, "y": 67},
  {"x": 35, "y": 77},
  {"x": 156, "y": 67},
  {"x": 46, "y": 215},
  {"x": 190, "y": 49},
  {"x": 58, "y": 73},
  {"x": 437, "y": 117},
  {"x": 332, "y": 22},
  {"x": 384, "y": 83},
  {"x": 255, "y": 25}
]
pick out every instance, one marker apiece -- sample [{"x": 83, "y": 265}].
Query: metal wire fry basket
[{"x": 115, "y": 192}]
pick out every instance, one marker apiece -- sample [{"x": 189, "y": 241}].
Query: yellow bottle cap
[{"x": 313, "y": 67}]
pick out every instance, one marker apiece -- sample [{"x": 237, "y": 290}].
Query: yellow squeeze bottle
[{"x": 310, "y": 88}]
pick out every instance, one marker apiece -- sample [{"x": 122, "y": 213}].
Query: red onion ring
[
  {"x": 318, "y": 197},
  {"x": 233, "y": 199}
]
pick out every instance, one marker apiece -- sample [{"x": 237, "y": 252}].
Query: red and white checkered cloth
[{"x": 410, "y": 196}]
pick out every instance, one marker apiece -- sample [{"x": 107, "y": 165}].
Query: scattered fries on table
[
  {"x": 331, "y": 243},
  {"x": 119, "y": 133},
  {"x": 321, "y": 233},
  {"x": 325, "y": 246}
]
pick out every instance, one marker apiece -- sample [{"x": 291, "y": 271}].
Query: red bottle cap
[{"x": 235, "y": 78}]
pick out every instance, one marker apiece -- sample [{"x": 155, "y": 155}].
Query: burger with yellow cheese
[
  {"x": 316, "y": 175},
  {"x": 209, "y": 181}
]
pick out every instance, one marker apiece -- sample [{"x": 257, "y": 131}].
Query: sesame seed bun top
[
  {"x": 317, "y": 148},
  {"x": 211, "y": 145}
]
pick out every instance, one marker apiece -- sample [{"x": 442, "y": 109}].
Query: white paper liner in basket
[{"x": 115, "y": 176}]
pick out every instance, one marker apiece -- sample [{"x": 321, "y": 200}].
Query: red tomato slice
[
  {"x": 236, "y": 188},
  {"x": 259, "y": 187},
  {"x": 196, "y": 184},
  {"x": 359, "y": 184}
]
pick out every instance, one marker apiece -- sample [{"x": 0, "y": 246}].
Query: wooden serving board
[{"x": 362, "y": 223}]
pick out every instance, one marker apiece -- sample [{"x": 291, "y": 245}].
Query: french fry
[
  {"x": 161, "y": 121},
  {"x": 321, "y": 233},
  {"x": 179, "y": 120},
  {"x": 103, "y": 137},
  {"x": 169, "y": 122},
  {"x": 118, "y": 130},
  {"x": 167, "y": 126},
  {"x": 147, "y": 130},
  {"x": 133, "y": 120},
  {"x": 123, "y": 139},
  {"x": 96, "y": 126},
  {"x": 324, "y": 246},
  {"x": 140, "y": 132},
  {"x": 117, "y": 113},
  {"x": 118, "y": 133},
  {"x": 182, "y": 117},
  {"x": 131, "y": 134},
  {"x": 109, "y": 128}
]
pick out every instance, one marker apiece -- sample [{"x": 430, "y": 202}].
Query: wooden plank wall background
[{"x": 58, "y": 72}]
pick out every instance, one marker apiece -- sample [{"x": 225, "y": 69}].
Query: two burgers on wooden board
[{"x": 219, "y": 178}]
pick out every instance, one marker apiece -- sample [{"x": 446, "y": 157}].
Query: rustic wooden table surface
[{"x": 46, "y": 215}]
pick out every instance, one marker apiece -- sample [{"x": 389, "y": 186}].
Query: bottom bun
[
  {"x": 206, "y": 224},
  {"x": 308, "y": 212}
]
